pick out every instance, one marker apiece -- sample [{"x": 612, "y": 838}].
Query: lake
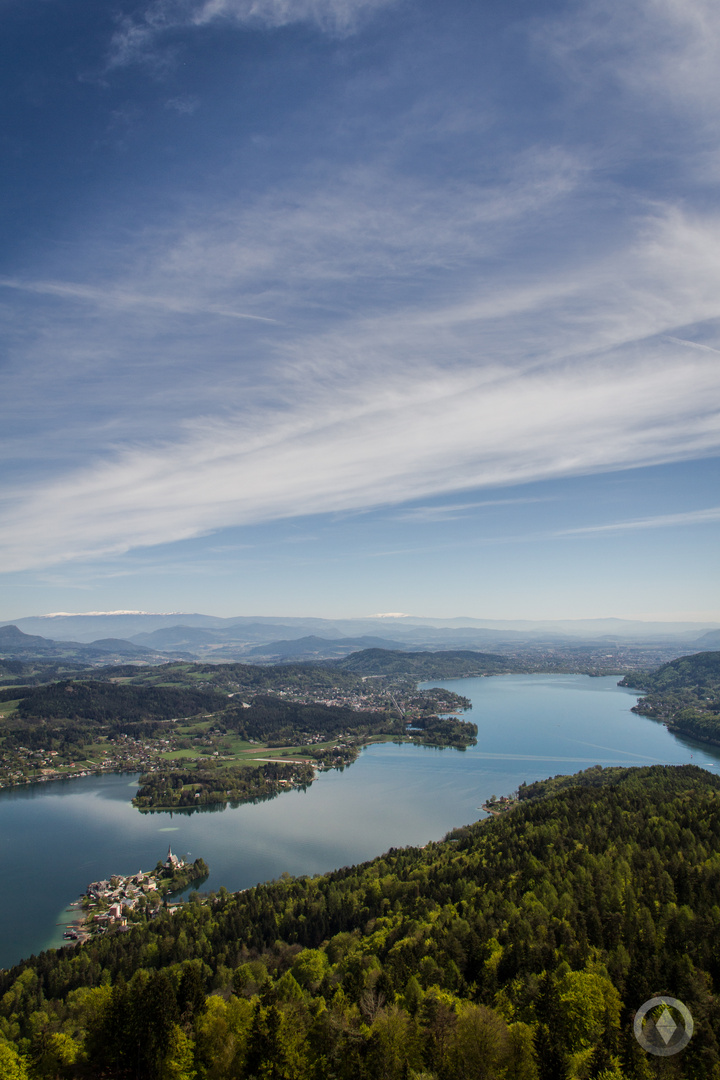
[{"x": 55, "y": 838}]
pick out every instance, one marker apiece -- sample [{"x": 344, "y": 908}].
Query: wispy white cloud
[
  {"x": 657, "y": 521},
  {"x": 455, "y": 511},
  {"x": 417, "y": 336},
  {"x": 694, "y": 344},
  {"x": 339, "y": 266},
  {"x": 367, "y": 227},
  {"x": 137, "y": 37},
  {"x": 123, "y": 299},
  {"x": 375, "y": 446},
  {"x": 502, "y": 382},
  {"x": 185, "y": 104},
  {"x": 664, "y": 52},
  {"x": 339, "y": 15}
]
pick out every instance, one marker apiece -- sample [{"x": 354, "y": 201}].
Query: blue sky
[{"x": 334, "y": 307}]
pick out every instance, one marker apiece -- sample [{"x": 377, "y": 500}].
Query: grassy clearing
[
  {"x": 240, "y": 753},
  {"x": 239, "y": 746},
  {"x": 248, "y": 758},
  {"x": 7, "y": 707},
  {"x": 185, "y": 728},
  {"x": 293, "y": 751},
  {"x": 278, "y": 753},
  {"x": 96, "y": 749}
]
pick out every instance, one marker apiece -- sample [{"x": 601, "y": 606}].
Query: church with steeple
[{"x": 172, "y": 862}]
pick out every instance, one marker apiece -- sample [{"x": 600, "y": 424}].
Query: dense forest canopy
[
  {"x": 107, "y": 701},
  {"x": 519, "y": 948},
  {"x": 700, "y": 671},
  {"x": 72, "y": 713}
]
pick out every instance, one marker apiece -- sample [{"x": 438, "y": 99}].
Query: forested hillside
[
  {"x": 283, "y": 723},
  {"x": 70, "y": 714},
  {"x": 684, "y": 693},
  {"x": 426, "y": 665},
  {"x": 518, "y": 948},
  {"x": 106, "y": 702},
  {"x": 234, "y": 677}
]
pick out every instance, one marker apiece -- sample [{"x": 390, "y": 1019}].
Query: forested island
[
  {"x": 518, "y": 948},
  {"x": 684, "y": 694}
]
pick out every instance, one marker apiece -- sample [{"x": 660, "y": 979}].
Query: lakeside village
[
  {"x": 122, "y": 754},
  {"x": 118, "y": 903}
]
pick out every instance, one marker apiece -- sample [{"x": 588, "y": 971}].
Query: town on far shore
[{"x": 122, "y": 900}]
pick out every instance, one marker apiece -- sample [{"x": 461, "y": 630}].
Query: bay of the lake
[{"x": 57, "y": 837}]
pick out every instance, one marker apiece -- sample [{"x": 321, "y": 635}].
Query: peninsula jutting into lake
[
  {"x": 204, "y": 734},
  {"x": 123, "y": 900}
]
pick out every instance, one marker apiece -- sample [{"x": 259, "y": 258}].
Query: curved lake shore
[{"x": 57, "y": 837}]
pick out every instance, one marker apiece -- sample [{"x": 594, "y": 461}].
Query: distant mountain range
[
  {"x": 153, "y": 637},
  {"x": 17, "y": 645}
]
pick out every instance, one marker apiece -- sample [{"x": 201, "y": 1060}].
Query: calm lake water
[{"x": 55, "y": 838}]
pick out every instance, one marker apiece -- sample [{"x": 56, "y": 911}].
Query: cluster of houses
[
  {"x": 124, "y": 754},
  {"x": 121, "y": 895},
  {"x": 496, "y": 806}
]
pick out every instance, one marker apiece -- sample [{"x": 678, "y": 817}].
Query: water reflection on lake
[{"x": 55, "y": 838}]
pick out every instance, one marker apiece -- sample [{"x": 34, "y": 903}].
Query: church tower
[{"x": 172, "y": 860}]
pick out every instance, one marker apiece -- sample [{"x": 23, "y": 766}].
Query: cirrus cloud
[
  {"x": 373, "y": 447},
  {"x": 137, "y": 37}
]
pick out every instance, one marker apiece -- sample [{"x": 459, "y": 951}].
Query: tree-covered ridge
[
  {"x": 701, "y": 671},
  {"x": 519, "y": 947},
  {"x": 233, "y": 677},
  {"x": 106, "y": 702},
  {"x": 426, "y": 665},
  {"x": 684, "y": 694},
  {"x": 37, "y": 671},
  {"x": 70, "y": 715},
  {"x": 596, "y": 776},
  {"x": 286, "y": 723}
]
